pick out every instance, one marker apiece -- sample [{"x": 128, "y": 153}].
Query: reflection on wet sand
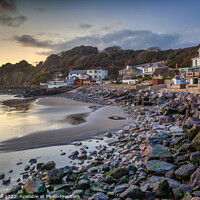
[{"x": 22, "y": 105}]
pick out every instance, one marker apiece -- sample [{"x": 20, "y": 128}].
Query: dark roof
[
  {"x": 170, "y": 73},
  {"x": 161, "y": 71},
  {"x": 77, "y": 71}
]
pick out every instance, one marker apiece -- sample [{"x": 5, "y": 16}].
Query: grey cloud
[
  {"x": 7, "y": 6},
  {"x": 12, "y": 21},
  {"x": 127, "y": 39},
  {"x": 85, "y": 26},
  {"x": 9, "y": 15},
  {"x": 28, "y": 40}
]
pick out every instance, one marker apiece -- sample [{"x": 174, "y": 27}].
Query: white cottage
[
  {"x": 196, "y": 60},
  {"x": 98, "y": 74}
]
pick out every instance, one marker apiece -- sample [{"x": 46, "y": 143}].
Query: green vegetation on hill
[{"x": 111, "y": 58}]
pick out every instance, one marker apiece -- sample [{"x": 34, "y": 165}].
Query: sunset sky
[{"x": 34, "y": 29}]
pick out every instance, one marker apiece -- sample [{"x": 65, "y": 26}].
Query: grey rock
[
  {"x": 159, "y": 167},
  {"x": 133, "y": 192},
  {"x": 6, "y": 181},
  {"x": 99, "y": 196},
  {"x": 26, "y": 168},
  {"x": 153, "y": 180},
  {"x": 2, "y": 175},
  {"x": 12, "y": 190},
  {"x": 48, "y": 166},
  {"x": 184, "y": 171},
  {"x": 33, "y": 161},
  {"x": 121, "y": 188},
  {"x": 195, "y": 180},
  {"x": 162, "y": 189},
  {"x": 83, "y": 184},
  {"x": 34, "y": 185}
]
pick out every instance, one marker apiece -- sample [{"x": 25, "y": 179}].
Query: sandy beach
[{"x": 84, "y": 120}]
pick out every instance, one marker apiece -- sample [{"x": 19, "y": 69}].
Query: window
[
  {"x": 99, "y": 71},
  {"x": 195, "y": 62},
  {"x": 99, "y": 76},
  {"x": 90, "y": 71},
  {"x": 95, "y": 76},
  {"x": 95, "y": 71}
]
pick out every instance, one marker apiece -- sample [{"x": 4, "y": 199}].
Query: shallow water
[{"x": 28, "y": 117}]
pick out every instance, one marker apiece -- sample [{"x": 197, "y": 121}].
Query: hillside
[{"x": 111, "y": 58}]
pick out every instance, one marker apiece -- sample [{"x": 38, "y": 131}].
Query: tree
[
  {"x": 114, "y": 71},
  {"x": 77, "y": 79}
]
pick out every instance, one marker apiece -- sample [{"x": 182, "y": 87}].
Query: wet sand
[{"x": 92, "y": 122}]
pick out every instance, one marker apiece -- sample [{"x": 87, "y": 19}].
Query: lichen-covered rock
[
  {"x": 184, "y": 171},
  {"x": 154, "y": 180},
  {"x": 159, "y": 167},
  {"x": 177, "y": 193},
  {"x": 162, "y": 189},
  {"x": 196, "y": 142},
  {"x": 195, "y": 179},
  {"x": 187, "y": 196},
  {"x": 133, "y": 192},
  {"x": 118, "y": 173},
  {"x": 155, "y": 152}
]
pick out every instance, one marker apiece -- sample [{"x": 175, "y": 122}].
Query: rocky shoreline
[{"x": 156, "y": 157}]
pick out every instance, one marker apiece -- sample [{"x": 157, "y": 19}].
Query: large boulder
[
  {"x": 154, "y": 180},
  {"x": 159, "y": 167},
  {"x": 195, "y": 180},
  {"x": 155, "y": 152},
  {"x": 133, "y": 192},
  {"x": 184, "y": 171}
]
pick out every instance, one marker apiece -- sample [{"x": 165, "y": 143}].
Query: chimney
[
  {"x": 70, "y": 69},
  {"x": 176, "y": 66},
  {"x": 149, "y": 64},
  {"x": 164, "y": 62}
]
